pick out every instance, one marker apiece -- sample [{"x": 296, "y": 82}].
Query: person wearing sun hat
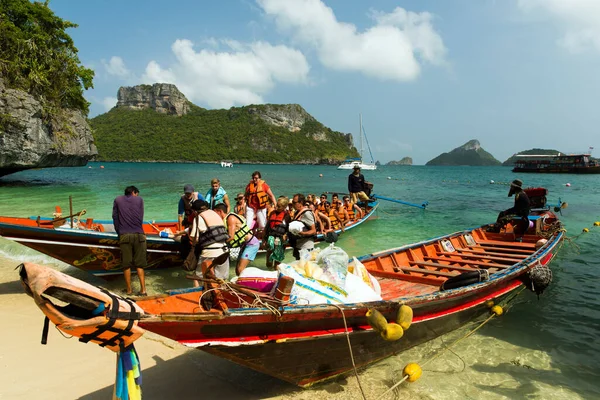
[
  {"x": 185, "y": 204},
  {"x": 521, "y": 208},
  {"x": 356, "y": 184}
]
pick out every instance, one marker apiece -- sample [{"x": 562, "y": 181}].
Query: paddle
[{"x": 423, "y": 205}]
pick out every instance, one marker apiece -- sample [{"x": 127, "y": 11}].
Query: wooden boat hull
[
  {"x": 95, "y": 249},
  {"x": 307, "y": 344}
]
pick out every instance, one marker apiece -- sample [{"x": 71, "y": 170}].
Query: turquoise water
[{"x": 544, "y": 348}]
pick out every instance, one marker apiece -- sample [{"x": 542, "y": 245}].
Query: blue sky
[{"x": 427, "y": 76}]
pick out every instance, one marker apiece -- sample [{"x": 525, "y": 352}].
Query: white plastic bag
[
  {"x": 357, "y": 268},
  {"x": 334, "y": 262},
  {"x": 359, "y": 291},
  {"x": 311, "y": 291}
]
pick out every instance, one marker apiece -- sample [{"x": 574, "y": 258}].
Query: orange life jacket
[
  {"x": 350, "y": 209},
  {"x": 92, "y": 315},
  {"x": 335, "y": 222},
  {"x": 257, "y": 195},
  {"x": 277, "y": 223}
]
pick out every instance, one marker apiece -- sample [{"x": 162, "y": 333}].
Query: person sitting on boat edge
[
  {"x": 258, "y": 195},
  {"x": 185, "y": 205},
  {"x": 304, "y": 238},
  {"x": 275, "y": 236},
  {"x": 217, "y": 195},
  {"x": 353, "y": 211},
  {"x": 209, "y": 234},
  {"x": 521, "y": 208},
  {"x": 356, "y": 184},
  {"x": 128, "y": 219},
  {"x": 240, "y": 235}
]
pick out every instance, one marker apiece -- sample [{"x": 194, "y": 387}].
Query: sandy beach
[{"x": 68, "y": 369}]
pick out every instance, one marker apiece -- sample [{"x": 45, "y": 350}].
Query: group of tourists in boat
[{"x": 210, "y": 226}]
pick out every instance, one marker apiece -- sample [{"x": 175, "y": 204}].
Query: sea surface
[{"x": 546, "y": 348}]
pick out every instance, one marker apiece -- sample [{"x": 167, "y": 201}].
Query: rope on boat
[
  {"x": 350, "y": 349},
  {"x": 496, "y": 311},
  {"x": 256, "y": 303}
]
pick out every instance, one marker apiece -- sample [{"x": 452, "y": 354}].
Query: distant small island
[
  {"x": 404, "y": 161},
  {"x": 470, "y": 153}
]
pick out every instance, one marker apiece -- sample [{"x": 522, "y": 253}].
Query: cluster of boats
[{"x": 446, "y": 282}]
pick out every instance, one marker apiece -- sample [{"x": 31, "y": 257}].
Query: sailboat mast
[{"x": 361, "y": 136}]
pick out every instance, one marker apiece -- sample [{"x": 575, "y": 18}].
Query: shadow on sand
[{"x": 196, "y": 374}]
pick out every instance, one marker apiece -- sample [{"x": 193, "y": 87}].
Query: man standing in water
[
  {"x": 356, "y": 186},
  {"x": 128, "y": 217}
]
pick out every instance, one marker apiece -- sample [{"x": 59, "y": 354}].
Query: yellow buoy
[
  {"x": 586, "y": 230},
  {"x": 376, "y": 320},
  {"x": 413, "y": 371},
  {"x": 489, "y": 303},
  {"x": 405, "y": 316},
  {"x": 597, "y": 223},
  {"x": 498, "y": 310},
  {"x": 392, "y": 332}
]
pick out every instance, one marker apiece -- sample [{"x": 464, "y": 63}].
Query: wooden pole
[{"x": 71, "y": 209}]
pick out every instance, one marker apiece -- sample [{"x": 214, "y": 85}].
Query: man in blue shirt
[{"x": 128, "y": 218}]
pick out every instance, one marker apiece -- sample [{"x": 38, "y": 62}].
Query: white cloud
[
  {"x": 579, "y": 19},
  {"x": 109, "y": 102},
  {"x": 116, "y": 67},
  {"x": 392, "y": 49},
  {"x": 222, "y": 79}
]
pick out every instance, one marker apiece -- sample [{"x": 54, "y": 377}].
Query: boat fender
[
  {"x": 392, "y": 332},
  {"x": 497, "y": 310},
  {"x": 376, "y": 320},
  {"x": 465, "y": 279},
  {"x": 413, "y": 371},
  {"x": 405, "y": 316},
  {"x": 539, "y": 278}
]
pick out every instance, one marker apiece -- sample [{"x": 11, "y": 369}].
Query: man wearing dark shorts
[{"x": 128, "y": 217}]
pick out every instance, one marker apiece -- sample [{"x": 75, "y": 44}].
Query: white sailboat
[{"x": 350, "y": 163}]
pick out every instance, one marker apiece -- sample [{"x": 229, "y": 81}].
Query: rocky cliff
[
  {"x": 470, "y": 153},
  {"x": 404, "y": 161},
  {"x": 163, "y": 98},
  {"x": 29, "y": 140}
]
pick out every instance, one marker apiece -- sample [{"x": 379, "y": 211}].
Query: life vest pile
[{"x": 92, "y": 314}]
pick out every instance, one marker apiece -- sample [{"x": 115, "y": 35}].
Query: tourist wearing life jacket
[
  {"x": 321, "y": 205},
  {"x": 334, "y": 216},
  {"x": 322, "y": 221},
  {"x": 275, "y": 236},
  {"x": 354, "y": 211},
  {"x": 184, "y": 209},
  {"x": 258, "y": 195},
  {"x": 217, "y": 195},
  {"x": 304, "y": 239},
  {"x": 210, "y": 237},
  {"x": 239, "y": 235},
  {"x": 240, "y": 204}
]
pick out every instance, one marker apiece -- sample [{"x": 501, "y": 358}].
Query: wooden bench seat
[
  {"x": 480, "y": 263},
  {"x": 482, "y": 256}
]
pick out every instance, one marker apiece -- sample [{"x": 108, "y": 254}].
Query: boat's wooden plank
[
  {"x": 518, "y": 245},
  {"x": 425, "y": 271},
  {"x": 445, "y": 266},
  {"x": 470, "y": 262},
  {"x": 426, "y": 280},
  {"x": 505, "y": 249},
  {"x": 491, "y": 253},
  {"x": 482, "y": 256}
]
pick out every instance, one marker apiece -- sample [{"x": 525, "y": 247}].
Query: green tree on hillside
[{"x": 39, "y": 57}]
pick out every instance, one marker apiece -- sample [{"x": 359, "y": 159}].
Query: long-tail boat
[
  {"x": 447, "y": 281},
  {"x": 93, "y": 246}
]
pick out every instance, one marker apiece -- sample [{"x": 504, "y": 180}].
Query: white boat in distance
[{"x": 350, "y": 163}]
